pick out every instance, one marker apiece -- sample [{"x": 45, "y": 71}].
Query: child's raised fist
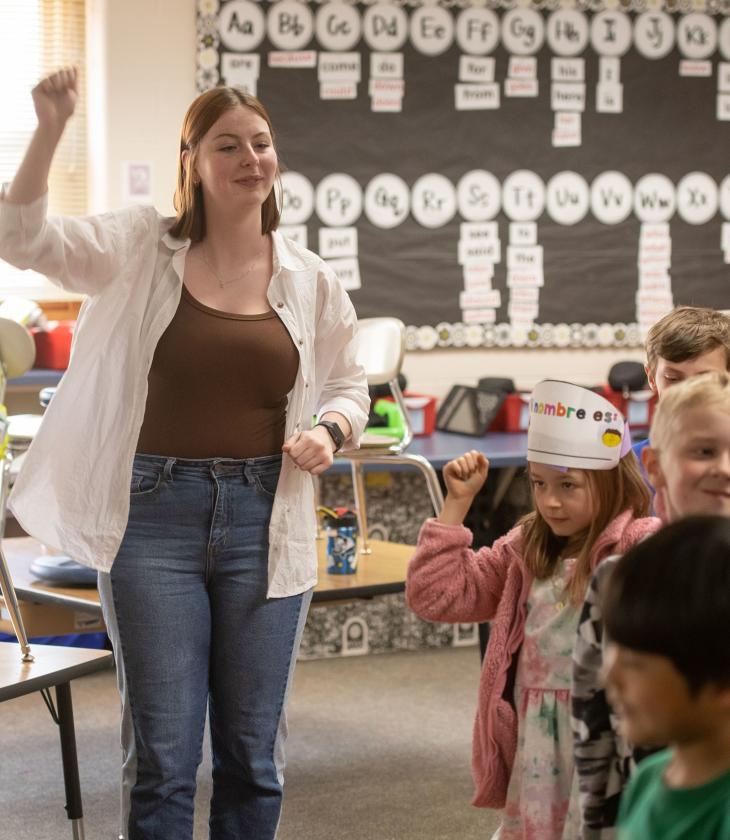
[{"x": 465, "y": 475}]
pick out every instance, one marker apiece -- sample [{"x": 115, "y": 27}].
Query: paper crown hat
[{"x": 573, "y": 427}]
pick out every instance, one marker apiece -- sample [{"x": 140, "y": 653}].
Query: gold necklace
[{"x": 223, "y": 283}]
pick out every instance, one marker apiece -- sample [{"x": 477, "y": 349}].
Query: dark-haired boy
[
  {"x": 689, "y": 341},
  {"x": 666, "y": 610}
]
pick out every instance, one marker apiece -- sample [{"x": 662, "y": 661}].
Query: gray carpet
[{"x": 379, "y": 749}]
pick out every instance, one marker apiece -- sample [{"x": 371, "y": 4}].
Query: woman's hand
[
  {"x": 464, "y": 478},
  {"x": 312, "y": 451},
  {"x": 55, "y": 96}
]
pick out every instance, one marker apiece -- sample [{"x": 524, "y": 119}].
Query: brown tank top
[{"x": 218, "y": 385}]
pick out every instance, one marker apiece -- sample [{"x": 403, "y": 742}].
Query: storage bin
[
  {"x": 53, "y": 345},
  {"x": 514, "y": 415}
]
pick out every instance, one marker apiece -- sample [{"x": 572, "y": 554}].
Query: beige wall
[{"x": 141, "y": 79}]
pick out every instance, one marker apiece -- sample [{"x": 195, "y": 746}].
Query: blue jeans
[{"x": 196, "y": 629}]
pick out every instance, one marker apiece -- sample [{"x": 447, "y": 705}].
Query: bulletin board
[{"x": 497, "y": 174}]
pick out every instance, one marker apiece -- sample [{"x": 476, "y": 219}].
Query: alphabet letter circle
[
  {"x": 339, "y": 200},
  {"x": 568, "y": 198},
  {"x": 338, "y": 26},
  {"x": 696, "y": 36},
  {"x": 387, "y": 200},
  {"x": 297, "y": 198},
  {"x": 725, "y": 197},
  {"x": 290, "y": 25},
  {"x": 241, "y": 25},
  {"x": 523, "y": 31},
  {"x": 611, "y": 33},
  {"x": 697, "y": 198},
  {"x": 523, "y": 196},
  {"x": 432, "y": 30},
  {"x": 724, "y": 39},
  {"x": 433, "y": 200},
  {"x": 479, "y": 196},
  {"x": 654, "y": 34},
  {"x": 611, "y": 197},
  {"x": 654, "y": 198},
  {"x": 477, "y": 31},
  {"x": 567, "y": 32},
  {"x": 385, "y": 27}
]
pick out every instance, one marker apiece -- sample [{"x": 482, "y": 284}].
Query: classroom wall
[{"x": 141, "y": 79}]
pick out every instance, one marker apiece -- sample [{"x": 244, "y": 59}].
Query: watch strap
[{"x": 334, "y": 431}]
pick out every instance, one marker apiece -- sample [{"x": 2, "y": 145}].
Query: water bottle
[{"x": 341, "y": 528}]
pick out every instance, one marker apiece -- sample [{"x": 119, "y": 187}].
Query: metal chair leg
[
  {"x": 358, "y": 487},
  {"x": 423, "y": 464},
  {"x": 6, "y": 583},
  {"x": 432, "y": 482}
]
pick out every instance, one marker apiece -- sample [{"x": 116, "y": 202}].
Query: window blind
[{"x": 37, "y": 37}]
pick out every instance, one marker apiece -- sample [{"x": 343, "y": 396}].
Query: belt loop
[
  {"x": 248, "y": 472},
  {"x": 168, "y": 468}
]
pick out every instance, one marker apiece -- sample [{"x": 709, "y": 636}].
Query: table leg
[{"x": 69, "y": 759}]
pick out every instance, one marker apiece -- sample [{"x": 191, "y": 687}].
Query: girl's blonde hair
[
  {"x": 202, "y": 114},
  {"x": 611, "y": 492}
]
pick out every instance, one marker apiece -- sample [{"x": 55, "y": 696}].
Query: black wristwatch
[{"x": 335, "y": 432}]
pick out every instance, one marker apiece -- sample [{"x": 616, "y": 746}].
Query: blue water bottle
[{"x": 341, "y": 527}]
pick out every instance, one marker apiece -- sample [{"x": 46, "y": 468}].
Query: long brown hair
[
  {"x": 202, "y": 114},
  {"x": 612, "y": 492}
]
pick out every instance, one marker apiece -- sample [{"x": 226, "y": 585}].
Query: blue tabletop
[
  {"x": 501, "y": 448},
  {"x": 37, "y": 377}
]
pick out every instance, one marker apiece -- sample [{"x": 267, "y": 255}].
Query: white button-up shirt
[{"x": 73, "y": 490}]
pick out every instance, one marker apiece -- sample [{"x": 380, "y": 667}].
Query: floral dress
[{"x": 542, "y": 797}]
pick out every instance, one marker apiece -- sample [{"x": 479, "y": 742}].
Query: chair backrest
[
  {"x": 381, "y": 346},
  {"x": 626, "y": 377}
]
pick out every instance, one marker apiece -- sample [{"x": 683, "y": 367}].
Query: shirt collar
[{"x": 287, "y": 254}]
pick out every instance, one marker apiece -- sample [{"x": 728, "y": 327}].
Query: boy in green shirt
[{"x": 666, "y": 610}]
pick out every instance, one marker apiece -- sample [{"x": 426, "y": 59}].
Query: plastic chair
[{"x": 381, "y": 347}]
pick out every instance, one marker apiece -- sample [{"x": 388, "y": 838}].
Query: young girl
[{"x": 529, "y": 584}]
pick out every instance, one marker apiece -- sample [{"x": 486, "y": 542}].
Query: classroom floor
[{"x": 379, "y": 749}]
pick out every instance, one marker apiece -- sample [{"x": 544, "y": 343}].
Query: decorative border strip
[
  {"x": 210, "y": 8},
  {"x": 508, "y": 335}
]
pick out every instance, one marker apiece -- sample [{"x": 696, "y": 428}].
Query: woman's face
[
  {"x": 563, "y": 499},
  {"x": 236, "y": 161}
]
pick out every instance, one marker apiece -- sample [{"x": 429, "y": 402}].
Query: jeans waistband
[{"x": 203, "y": 467}]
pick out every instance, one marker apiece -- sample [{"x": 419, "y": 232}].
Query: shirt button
[
  {"x": 280, "y": 304},
  {"x": 298, "y": 426},
  {"x": 301, "y": 342}
]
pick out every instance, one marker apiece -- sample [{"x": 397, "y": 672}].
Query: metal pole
[{"x": 6, "y": 582}]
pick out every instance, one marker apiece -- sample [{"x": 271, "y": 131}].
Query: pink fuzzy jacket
[{"x": 448, "y": 581}]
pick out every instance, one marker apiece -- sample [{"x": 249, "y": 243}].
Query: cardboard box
[{"x": 51, "y": 620}]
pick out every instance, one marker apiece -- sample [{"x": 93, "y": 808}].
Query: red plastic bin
[
  {"x": 637, "y": 408},
  {"x": 514, "y": 415},
  {"x": 53, "y": 345},
  {"x": 421, "y": 410}
]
